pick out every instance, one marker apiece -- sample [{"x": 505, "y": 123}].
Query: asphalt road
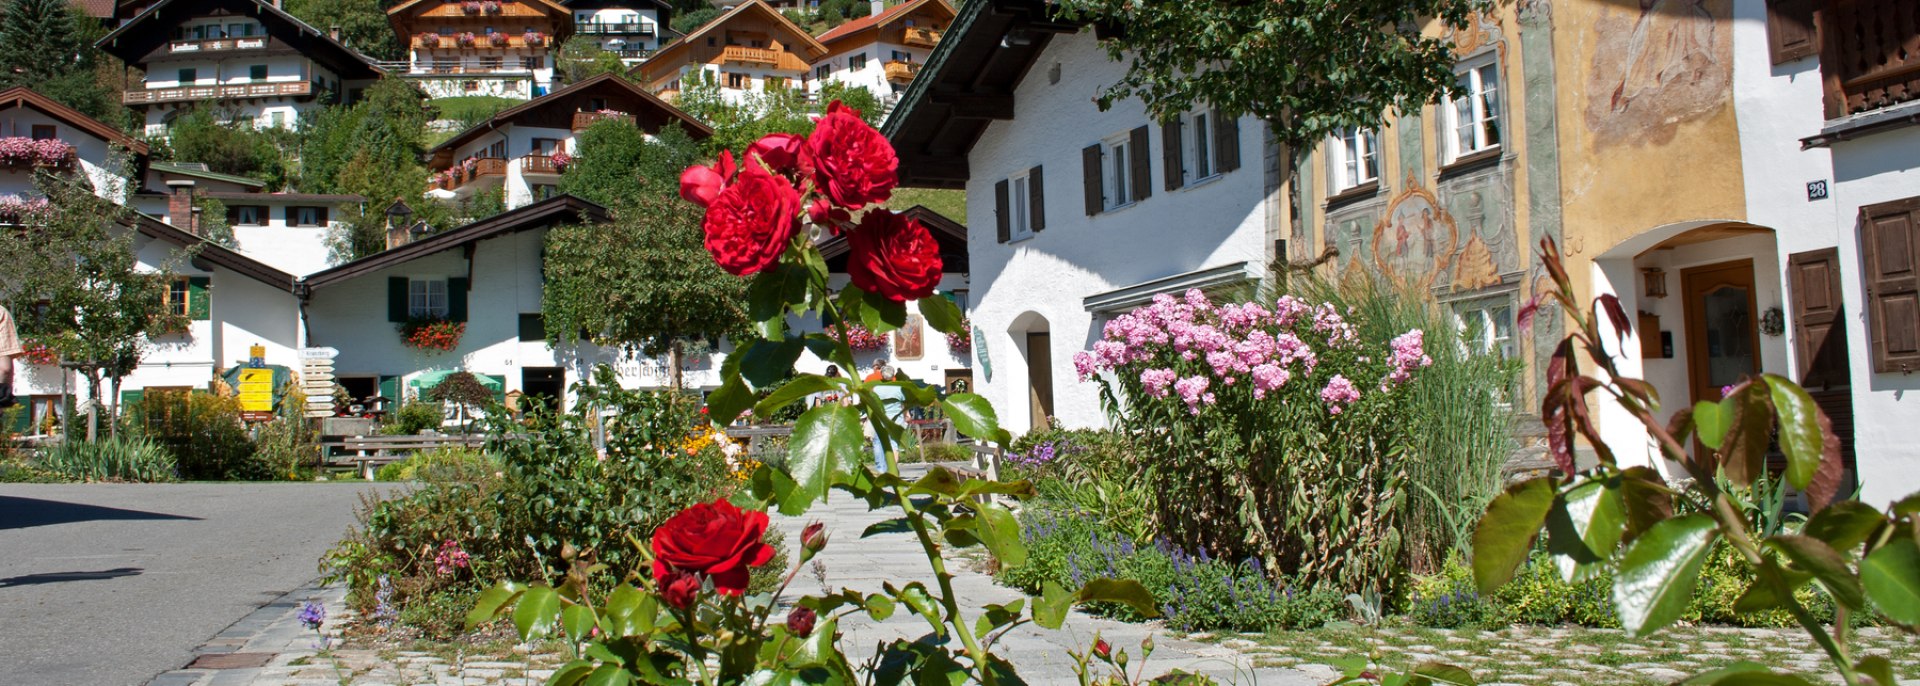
[{"x": 109, "y": 584}]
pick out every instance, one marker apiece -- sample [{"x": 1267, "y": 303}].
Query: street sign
[
  {"x": 311, "y": 378},
  {"x": 318, "y": 353},
  {"x": 256, "y": 391}
]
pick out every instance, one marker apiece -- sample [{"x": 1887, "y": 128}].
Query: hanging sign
[
  {"x": 256, "y": 394},
  {"x": 980, "y": 353}
]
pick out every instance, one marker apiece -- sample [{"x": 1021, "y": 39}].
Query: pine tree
[{"x": 38, "y": 42}]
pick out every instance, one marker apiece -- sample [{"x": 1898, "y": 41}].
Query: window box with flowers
[
  {"x": 961, "y": 343},
  {"x": 428, "y": 40},
  {"x": 471, "y": 7},
  {"x": 496, "y": 39},
  {"x": 37, "y": 353},
  {"x": 20, "y": 212},
  {"x": 861, "y": 339},
  {"x": 534, "y": 38},
  {"x": 432, "y": 333},
  {"x": 466, "y": 39},
  {"x": 561, "y": 160},
  {"x": 20, "y": 152}
]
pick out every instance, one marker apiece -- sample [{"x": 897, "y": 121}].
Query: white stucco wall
[
  {"x": 1776, "y": 106},
  {"x": 873, "y": 76},
  {"x": 1211, "y": 224}
]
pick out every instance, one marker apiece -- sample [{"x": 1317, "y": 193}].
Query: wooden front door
[
  {"x": 1040, "y": 377},
  {"x": 1723, "y": 341},
  {"x": 1819, "y": 339}
]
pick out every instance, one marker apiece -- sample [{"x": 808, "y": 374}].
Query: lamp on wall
[{"x": 1653, "y": 282}]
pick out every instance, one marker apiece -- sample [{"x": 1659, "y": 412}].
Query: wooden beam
[
  {"x": 946, "y": 169},
  {"x": 976, "y": 105}
]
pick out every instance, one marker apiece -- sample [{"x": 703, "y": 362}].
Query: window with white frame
[
  {"x": 1119, "y": 172},
  {"x": 1473, "y": 116},
  {"x": 1486, "y": 327},
  {"x": 427, "y": 298},
  {"x": 1019, "y": 207},
  {"x": 1355, "y": 157}
]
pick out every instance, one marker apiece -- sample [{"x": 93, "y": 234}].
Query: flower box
[
  {"x": 23, "y": 152},
  {"x": 432, "y": 334}
]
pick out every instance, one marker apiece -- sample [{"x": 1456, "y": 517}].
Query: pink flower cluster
[
  {"x": 27, "y": 152},
  {"x": 1228, "y": 342},
  {"x": 450, "y": 559},
  {"x": 14, "y": 210}
]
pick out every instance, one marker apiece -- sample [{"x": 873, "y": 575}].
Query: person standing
[
  {"x": 9, "y": 349},
  {"x": 893, "y": 400}
]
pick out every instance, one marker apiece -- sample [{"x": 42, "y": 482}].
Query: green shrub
[
  {"x": 287, "y": 445},
  {"x": 446, "y": 464},
  {"x": 202, "y": 432},
  {"x": 414, "y": 417},
  {"x": 111, "y": 459},
  {"x": 938, "y": 451}
]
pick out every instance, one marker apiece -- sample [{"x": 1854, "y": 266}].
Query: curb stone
[{"x": 273, "y": 628}]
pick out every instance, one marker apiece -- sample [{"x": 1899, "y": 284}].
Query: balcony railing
[
  {"x": 217, "y": 44},
  {"x": 902, "y": 71},
  {"x": 922, "y": 37},
  {"x": 739, "y": 53},
  {"x": 245, "y": 90},
  {"x": 538, "y": 164},
  {"x": 582, "y": 120},
  {"x": 431, "y": 42},
  {"x": 1870, "y": 54},
  {"x": 630, "y": 53},
  {"x": 477, "y": 69},
  {"x": 624, "y": 29},
  {"x": 460, "y": 174}
]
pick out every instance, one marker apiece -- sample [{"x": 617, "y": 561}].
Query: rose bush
[{"x": 715, "y": 540}]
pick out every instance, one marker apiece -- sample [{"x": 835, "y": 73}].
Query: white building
[
  {"x": 750, "y": 49},
  {"x": 1073, "y": 216},
  {"x": 882, "y": 51},
  {"x": 514, "y": 151},
  {"x": 251, "y": 59},
  {"x": 1829, "y": 149},
  {"x": 632, "y": 29},
  {"x": 287, "y": 231},
  {"x": 108, "y": 157},
  {"x": 502, "y": 48}
]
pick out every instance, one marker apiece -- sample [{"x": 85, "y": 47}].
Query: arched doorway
[{"x": 1034, "y": 337}]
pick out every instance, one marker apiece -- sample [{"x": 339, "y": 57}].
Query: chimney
[
  {"x": 180, "y": 210},
  {"x": 334, "y": 33},
  {"x": 878, "y": 7}
]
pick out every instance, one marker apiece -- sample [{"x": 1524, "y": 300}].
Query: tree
[
  {"x": 47, "y": 45},
  {"x": 857, "y": 97},
  {"x": 363, "y": 24},
  {"x": 687, "y": 21},
  {"x": 76, "y": 280},
  {"x": 464, "y": 391},
  {"x": 213, "y": 223},
  {"x": 228, "y": 147},
  {"x": 617, "y": 162},
  {"x": 643, "y": 282},
  {"x": 737, "y": 125},
  {"x": 1307, "y": 67},
  {"x": 371, "y": 149},
  {"x": 581, "y": 58}
]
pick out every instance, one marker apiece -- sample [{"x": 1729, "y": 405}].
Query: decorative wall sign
[
  {"x": 909, "y": 341},
  {"x": 980, "y": 354}
]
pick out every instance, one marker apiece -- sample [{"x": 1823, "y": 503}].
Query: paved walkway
[{"x": 110, "y": 584}]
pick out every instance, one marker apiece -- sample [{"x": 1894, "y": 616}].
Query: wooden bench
[{"x": 368, "y": 453}]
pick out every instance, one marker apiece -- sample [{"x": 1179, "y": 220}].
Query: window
[
  {"x": 189, "y": 75},
  {"x": 1486, "y": 327},
  {"x": 490, "y": 63},
  {"x": 823, "y": 71},
  {"x": 738, "y": 81},
  {"x": 308, "y": 216},
  {"x": 857, "y": 61},
  {"x": 1473, "y": 118},
  {"x": 177, "y": 291},
  {"x": 446, "y": 31},
  {"x": 531, "y": 63},
  {"x": 543, "y": 191},
  {"x": 899, "y": 56},
  {"x": 1019, "y": 205},
  {"x": 710, "y": 42},
  {"x": 45, "y": 132},
  {"x": 1354, "y": 156},
  {"x": 596, "y": 104},
  {"x": 546, "y": 146},
  {"x": 1022, "y": 225},
  {"x": 247, "y": 215},
  {"x": 1119, "y": 171},
  {"x": 427, "y": 298},
  {"x": 257, "y": 72}
]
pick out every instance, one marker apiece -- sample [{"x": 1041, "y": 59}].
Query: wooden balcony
[
  {"x": 243, "y": 90},
  {"x": 538, "y": 164},
  {"x": 615, "y": 29},
  {"x": 217, "y": 45},
  {"x": 483, "y": 168},
  {"x": 902, "y": 71},
  {"x": 1870, "y": 54},
  {"x": 506, "y": 41},
  {"x": 764, "y": 57},
  {"x": 922, "y": 37},
  {"x": 582, "y": 120}
]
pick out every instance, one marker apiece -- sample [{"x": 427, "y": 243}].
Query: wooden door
[
  {"x": 1723, "y": 341},
  {"x": 1824, "y": 365},
  {"x": 1040, "y": 378}
]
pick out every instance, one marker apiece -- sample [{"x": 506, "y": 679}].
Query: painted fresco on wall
[
  {"x": 1481, "y": 206},
  {"x": 1656, "y": 64},
  {"x": 1347, "y": 232},
  {"x": 1414, "y": 244}
]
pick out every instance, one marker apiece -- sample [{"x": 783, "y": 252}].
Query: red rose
[
  {"x": 715, "y": 539},
  {"x": 700, "y": 184},
  {"x": 814, "y": 537},
  {"x": 852, "y": 163},
  {"x": 894, "y": 256},
  {"x": 1102, "y": 648},
  {"x": 800, "y": 622},
  {"x": 751, "y": 222},
  {"x": 680, "y": 589},
  {"x": 784, "y": 152}
]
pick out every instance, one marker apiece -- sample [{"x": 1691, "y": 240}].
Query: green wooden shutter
[
  {"x": 1036, "y": 199},
  {"x": 390, "y": 388},
  {"x": 199, "y": 307},
  {"x": 396, "y": 298},
  {"x": 20, "y": 417},
  {"x": 129, "y": 397},
  {"x": 457, "y": 299}
]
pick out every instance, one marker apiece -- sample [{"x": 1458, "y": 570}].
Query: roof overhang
[
  {"x": 210, "y": 254},
  {"x": 1124, "y": 299},
  {"x": 563, "y": 209},
  {"x": 21, "y": 96},
  {"x": 138, "y": 37}
]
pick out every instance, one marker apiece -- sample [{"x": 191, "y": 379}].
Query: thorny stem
[{"x": 1734, "y": 527}]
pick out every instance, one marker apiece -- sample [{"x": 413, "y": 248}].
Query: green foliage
[
  {"x": 1328, "y": 75},
  {"x": 461, "y": 388},
  {"x": 471, "y": 110},
  {"x": 228, "y": 146},
  {"x": 938, "y": 451},
  {"x": 213, "y": 223},
  {"x": 202, "y": 432},
  {"x": 414, "y": 417},
  {"x": 371, "y": 149},
  {"x": 616, "y": 162},
  {"x": 288, "y": 444},
  {"x": 363, "y": 24},
  {"x": 856, "y": 97},
  {"x": 113, "y": 459},
  {"x": 686, "y": 22},
  {"x": 442, "y": 465},
  {"x": 581, "y": 58},
  {"x": 950, "y": 203},
  {"x": 737, "y": 122},
  {"x": 47, "y": 45}
]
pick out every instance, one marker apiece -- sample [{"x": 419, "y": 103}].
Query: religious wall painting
[
  {"x": 909, "y": 341},
  {"x": 1347, "y": 232},
  {"x": 1482, "y": 208},
  {"x": 1657, "y": 64},
  {"x": 1414, "y": 243}
]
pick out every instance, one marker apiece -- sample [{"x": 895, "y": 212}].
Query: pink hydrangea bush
[{"x": 20, "y": 151}]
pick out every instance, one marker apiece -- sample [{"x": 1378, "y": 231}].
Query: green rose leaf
[
  {"x": 794, "y": 390},
  {"x": 1844, "y": 525},
  {"x": 1656, "y": 576},
  {"x": 535, "y": 615},
  {"x": 1761, "y": 596},
  {"x": 1761, "y": 678},
  {"x": 1749, "y": 435},
  {"x": 1815, "y": 557},
  {"x": 608, "y": 675},
  {"x": 1710, "y": 423},
  {"x": 883, "y": 314},
  {"x": 915, "y": 596},
  {"x": 1050, "y": 609},
  {"x": 1123, "y": 591},
  {"x": 1799, "y": 429},
  {"x": 765, "y": 302},
  {"x": 1584, "y": 528},
  {"x": 1877, "y": 667},
  {"x": 628, "y": 611},
  {"x": 576, "y": 621},
  {"x": 1891, "y": 577},
  {"x": 1507, "y": 530},
  {"x": 767, "y": 362},
  {"x": 879, "y": 607},
  {"x": 938, "y": 481},
  {"x": 1711, "y": 676},
  {"x": 817, "y": 649},
  {"x": 728, "y": 402},
  {"x": 973, "y": 416},
  {"x": 571, "y": 674},
  {"x": 1648, "y": 502},
  {"x": 1000, "y": 531},
  {"x": 824, "y": 438},
  {"x": 1427, "y": 673},
  {"x": 487, "y": 607},
  {"x": 942, "y": 315}
]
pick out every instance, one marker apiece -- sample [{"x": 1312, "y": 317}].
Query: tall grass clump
[
  {"x": 113, "y": 459},
  {"x": 1459, "y": 416}
]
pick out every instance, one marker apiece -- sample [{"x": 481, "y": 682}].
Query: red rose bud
[
  {"x": 701, "y": 184},
  {"x": 825, "y": 214},
  {"x": 783, "y": 152},
  {"x": 1102, "y": 648},
  {"x": 751, "y": 222},
  {"x": 894, "y": 256},
  {"x": 715, "y": 539},
  {"x": 814, "y": 537},
  {"x": 680, "y": 589},
  {"x": 852, "y": 163},
  {"x": 800, "y": 622}
]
